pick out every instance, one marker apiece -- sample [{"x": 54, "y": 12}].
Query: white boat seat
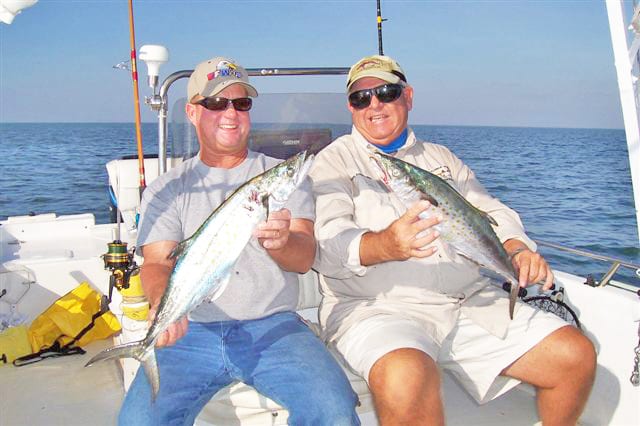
[{"x": 124, "y": 180}]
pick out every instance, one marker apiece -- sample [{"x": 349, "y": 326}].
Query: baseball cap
[
  {"x": 382, "y": 67},
  {"x": 211, "y": 77}
]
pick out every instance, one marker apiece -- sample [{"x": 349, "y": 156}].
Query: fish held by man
[
  {"x": 204, "y": 261},
  {"x": 464, "y": 227}
]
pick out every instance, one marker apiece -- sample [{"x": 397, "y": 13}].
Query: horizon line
[{"x": 338, "y": 124}]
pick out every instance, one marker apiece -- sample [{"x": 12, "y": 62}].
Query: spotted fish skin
[
  {"x": 205, "y": 260},
  {"x": 464, "y": 227}
]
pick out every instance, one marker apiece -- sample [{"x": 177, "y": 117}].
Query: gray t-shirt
[{"x": 178, "y": 202}]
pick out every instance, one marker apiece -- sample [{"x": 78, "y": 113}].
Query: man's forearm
[
  {"x": 514, "y": 246},
  {"x": 155, "y": 278},
  {"x": 372, "y": 249},
  {"x": 297, "y": 255}
]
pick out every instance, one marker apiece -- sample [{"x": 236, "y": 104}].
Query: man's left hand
[
  {"x": 532, "y": 268},
  {"x": 274, "y": 233}
]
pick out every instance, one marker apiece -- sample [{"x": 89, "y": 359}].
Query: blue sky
[{"x": 504, "y": 63}]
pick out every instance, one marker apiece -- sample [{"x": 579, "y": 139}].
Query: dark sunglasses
[
  {"x": 385, "y": 94},
  {"x": 219, "y": 104}
]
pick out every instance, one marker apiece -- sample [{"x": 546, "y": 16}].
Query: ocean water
[{"x": 570, "y": 186}]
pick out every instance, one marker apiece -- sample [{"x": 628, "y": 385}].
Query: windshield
[{"x": 282, "y": 124}]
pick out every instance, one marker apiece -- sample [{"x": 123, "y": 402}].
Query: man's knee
[
  {"x": 325, "y": 407},
  {"x": 406, "y": 377},
  {"x": 565, "y": 356},
  {"x": 573, "y": 351}
]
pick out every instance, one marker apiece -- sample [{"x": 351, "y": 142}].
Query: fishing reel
[{"x": 121, "y": 263}]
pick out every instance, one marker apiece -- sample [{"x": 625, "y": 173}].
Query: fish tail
[
  {"x": 513, "y": 296},
  {"x": 145, "y": 354},
  {"x": 128, "y": 350},
  {"x": 151, "y": 370}
]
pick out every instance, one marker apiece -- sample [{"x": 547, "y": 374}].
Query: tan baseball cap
[
  {"x": 382, "y": 67},
  {"x": 211, "y": 77}
]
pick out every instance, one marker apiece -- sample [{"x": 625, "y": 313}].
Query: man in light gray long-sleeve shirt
[{"x": 398, "y": 301}]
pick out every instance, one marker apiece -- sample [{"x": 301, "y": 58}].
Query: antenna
[
  {"x": 380, "y": 21},
  {"x": 154, "y": 56}
]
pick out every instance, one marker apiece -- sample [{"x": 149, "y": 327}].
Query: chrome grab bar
[
  {"x": 161, "y": 104},
  {"x": 615, "y": 262}
]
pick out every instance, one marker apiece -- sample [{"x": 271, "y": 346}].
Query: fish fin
[
  {"x": 513, "y": 296},
  {"x": 179, "y": 249},
  {"x": 151, "y": 371},
  {"x": 468, "y": 257},
  {"x": 266, "y": 204},
  {"x": 489, "y": 218},
  {"x": 220, "y": 288},
  {"x": 360, "y": 176},
  {"x": 128, "y": 350},
  {"x": 492, "y": 273},
  {"x": 429, "y": 198}
]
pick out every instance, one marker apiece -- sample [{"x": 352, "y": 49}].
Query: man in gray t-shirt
[{"x": 251, "y": 333}]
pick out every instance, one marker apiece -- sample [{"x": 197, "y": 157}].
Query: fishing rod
[
  {"x": 380, "y": 21},
  {"x": 136, "y": 98},
  {"x": 118, "y": 259}
]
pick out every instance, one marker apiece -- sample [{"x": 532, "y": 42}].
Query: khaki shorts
[{"x": 473, "y": 355}]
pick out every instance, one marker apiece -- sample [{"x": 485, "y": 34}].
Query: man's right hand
[
  {"x": 174, "y": 332},
  {"x": 405, "y": 238}
]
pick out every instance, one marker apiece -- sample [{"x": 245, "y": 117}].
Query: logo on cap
[
  {"x": 225, "y": 69},
  {"x": 371, "y": 63}
]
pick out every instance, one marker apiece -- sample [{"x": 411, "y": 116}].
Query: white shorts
[{"x": 473, "y": 355}]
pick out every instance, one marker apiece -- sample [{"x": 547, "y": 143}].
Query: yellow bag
[
  {"x": 14, "y": 343},
  {"x": 75, "y": 319}
]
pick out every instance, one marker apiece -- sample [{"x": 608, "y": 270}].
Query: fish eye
[
  {"x": 290, "y": 171},
  {"x": 395, "y": 173}
]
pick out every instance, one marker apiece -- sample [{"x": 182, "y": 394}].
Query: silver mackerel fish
[
  {"x": 464, "y": 227},
  {"x": 204, "y": 261}
]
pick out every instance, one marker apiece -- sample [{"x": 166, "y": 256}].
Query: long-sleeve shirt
[{"x": 350, "y": 201}]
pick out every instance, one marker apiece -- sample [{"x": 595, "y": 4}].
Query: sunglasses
[
  {"x": 385, "y": 94},
  {"x": 219, "y": 104}
]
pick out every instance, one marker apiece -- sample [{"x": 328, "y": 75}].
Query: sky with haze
[{"x": 489, "y": 63}]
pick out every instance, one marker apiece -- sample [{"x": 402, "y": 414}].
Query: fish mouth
[{"x": 380, "y": 168}]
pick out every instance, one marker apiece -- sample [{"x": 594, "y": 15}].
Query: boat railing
[
  {"x": 607, "y": 277},
  {"x": 160, "y": 102}
]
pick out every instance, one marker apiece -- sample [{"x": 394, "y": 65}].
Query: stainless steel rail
[
  {"x": 161, "y": 102},
  {"x": 615, "y": 263}
]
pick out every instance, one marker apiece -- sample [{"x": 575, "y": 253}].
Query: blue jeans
[{"x": 278, "y": 355}]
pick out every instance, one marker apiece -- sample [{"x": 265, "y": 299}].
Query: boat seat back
[
  {"x": 124, "y": 181},
  {"x": 309, "y": 296}
]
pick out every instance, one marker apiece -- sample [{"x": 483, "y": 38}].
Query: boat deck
[{"x": 60, "y": 391}]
